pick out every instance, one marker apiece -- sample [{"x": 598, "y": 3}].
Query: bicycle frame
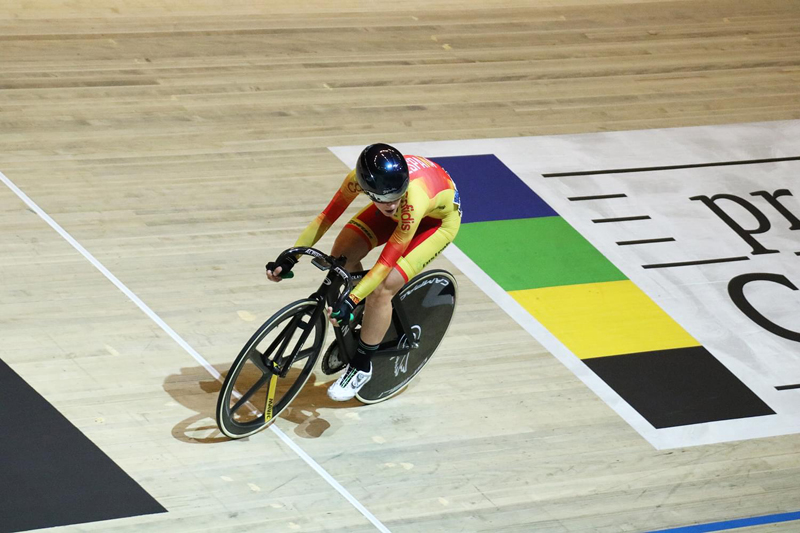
[
  {"x": 329, "y": 294},
  {"x": 390, "y": 348}
]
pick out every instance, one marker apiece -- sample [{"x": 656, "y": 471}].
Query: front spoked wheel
[
  {"x": 254, "y": 393},
  {"x": 429, "y": 301}
]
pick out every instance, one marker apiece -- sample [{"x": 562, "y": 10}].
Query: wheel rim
[{"x": 246, "y": 394}]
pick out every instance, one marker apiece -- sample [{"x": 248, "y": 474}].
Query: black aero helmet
[{"x": 382, "y": 172}]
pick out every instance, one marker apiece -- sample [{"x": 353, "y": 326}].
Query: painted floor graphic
[
  {"x": 602, "y": 317},
  {"x": 53, "y": 475},
  {"x": 660, "y": 266}
]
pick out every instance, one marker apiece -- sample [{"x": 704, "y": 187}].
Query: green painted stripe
[{"x": 531, "y": 253}]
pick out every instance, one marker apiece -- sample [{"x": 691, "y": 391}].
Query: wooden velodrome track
[{"x": 184, "y": 143}]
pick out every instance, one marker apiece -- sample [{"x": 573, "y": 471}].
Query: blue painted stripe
[
  {"x": 490, "y": 191},
  {"x": 735, "y": 524}
]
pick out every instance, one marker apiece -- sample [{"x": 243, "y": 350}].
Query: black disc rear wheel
[{"x": 429, "y": 301}]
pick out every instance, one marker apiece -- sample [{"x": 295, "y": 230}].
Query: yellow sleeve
[{"x": 340, "y": 201}]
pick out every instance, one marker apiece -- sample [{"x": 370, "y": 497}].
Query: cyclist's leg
[
  {"x": 431, "y": 238},
  {"x": 378, "y": 308},
  {"x": 367, "y": 230},
  {"x": 374, "y": 324},
  {"x": 350, "y": 244},
  {"x": 361, "y": 234}
]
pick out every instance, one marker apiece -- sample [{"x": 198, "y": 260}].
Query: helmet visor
[{"x": 385, "y": 198}]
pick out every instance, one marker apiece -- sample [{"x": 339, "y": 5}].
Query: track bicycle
[{"x": 274, "y": 365}]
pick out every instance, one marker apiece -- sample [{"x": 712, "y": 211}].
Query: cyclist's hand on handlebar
[
  {"x": 343, "y": 313},
  {"x": 278, "y": 271}
]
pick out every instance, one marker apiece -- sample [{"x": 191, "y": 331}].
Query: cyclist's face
[{"x": 387, "y": 208}]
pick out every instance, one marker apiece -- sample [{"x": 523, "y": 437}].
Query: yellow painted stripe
[{"x": 602, "y": 319}]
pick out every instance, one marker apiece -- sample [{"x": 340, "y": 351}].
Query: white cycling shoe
[{"x": 349, "y": 383}]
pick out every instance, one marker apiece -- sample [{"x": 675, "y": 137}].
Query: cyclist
[{"x": 415, "y": 211}]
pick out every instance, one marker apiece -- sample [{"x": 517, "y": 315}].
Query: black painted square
[
  {"x": 678, "y": 387},
  {"x": 51, "y": 474}
]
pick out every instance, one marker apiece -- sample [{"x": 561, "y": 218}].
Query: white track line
[{"x": 191, "y": 351}]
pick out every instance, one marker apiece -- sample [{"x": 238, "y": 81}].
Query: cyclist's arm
[
  {"x": 415, "y": 203},
  {"x": 340, "y": 201}
]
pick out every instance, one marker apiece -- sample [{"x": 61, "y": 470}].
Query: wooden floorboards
[{"x": 184, "y": 143}]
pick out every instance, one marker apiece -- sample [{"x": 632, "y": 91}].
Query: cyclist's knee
[
  {"x": 389, "y": 287},
  {"x": 351, "y": 245}
]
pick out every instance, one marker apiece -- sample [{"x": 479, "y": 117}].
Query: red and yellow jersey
[{"x": 431, "y": 193}]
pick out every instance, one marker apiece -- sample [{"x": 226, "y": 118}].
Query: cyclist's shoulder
[
  {"x": 350, "y": 186},
  {"x": 425, "y": 169},
  {"x": 427, "y": 176},
  {"x": 351, "y": 177},
  {"x": 417, "y": 163},
  {"x": 417, "y": 191}
]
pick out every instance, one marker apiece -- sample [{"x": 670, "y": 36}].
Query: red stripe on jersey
[{"x": 433, "y": 177}]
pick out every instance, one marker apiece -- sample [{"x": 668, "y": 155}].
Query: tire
[
  {"x": 250, "y": 375},
  {"x": 429, "y": 301}
]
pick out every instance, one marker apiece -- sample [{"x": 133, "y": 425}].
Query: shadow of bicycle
[{"x": 195, "y": 390}]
